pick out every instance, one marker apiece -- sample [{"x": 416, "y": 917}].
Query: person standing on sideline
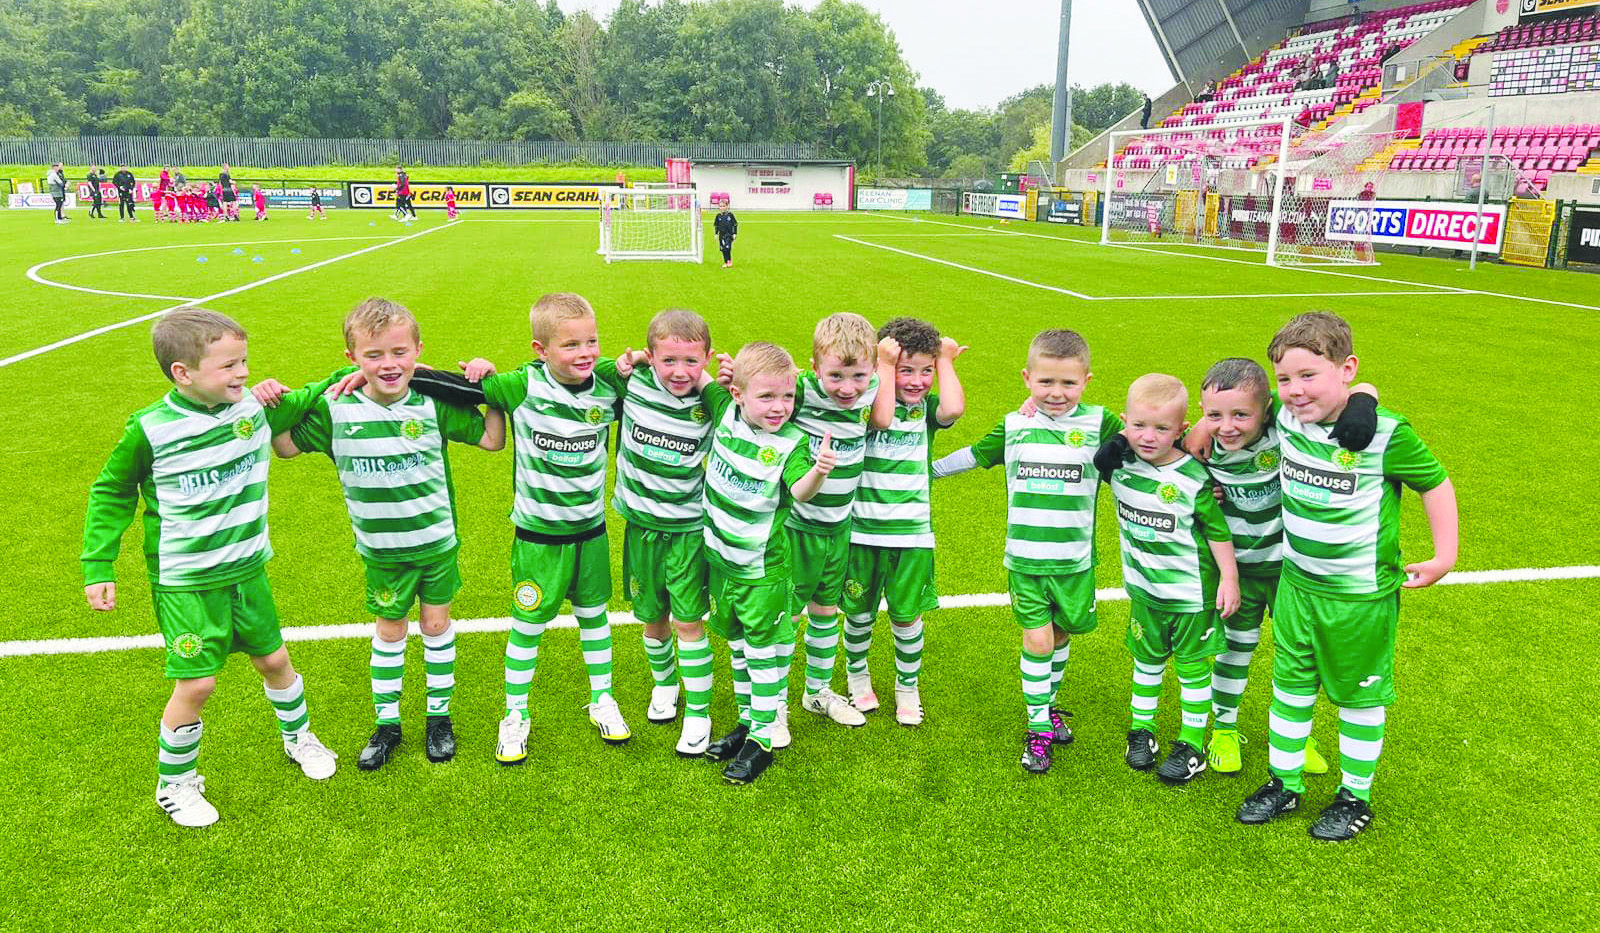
[
  {"x": 56, "y": 182},
  {"x": 1144, "y": 114},
  {"x": 727, "y": 227},
  {"x": 124, "y": 183},
  {"x": 403, "y": 208},
  {"x": 227, "y": 194},
  {"x": 96, "y": 178}
]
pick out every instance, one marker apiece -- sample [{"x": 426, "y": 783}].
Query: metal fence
[{"x": 292, "y": 153}]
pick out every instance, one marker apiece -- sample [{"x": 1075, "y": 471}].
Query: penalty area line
[
  {"x": 363, "y": 630},
  {"x": 226, "y": 293}
]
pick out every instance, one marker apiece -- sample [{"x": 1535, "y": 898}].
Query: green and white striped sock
[
  {"x": 178, "y": 752},
  {"x": 290, "y": 705},
  {"x": 1232, "y": 675},
  {"x": 695, "y": 657},
  {"x": 522, "y": 659},
  {"x": 768, "y": 679},
  {"x": 783, "y": 649},
  {"x": 857, "y": 641},
  {"x": 1146, "y": 695},
  {"x": 663, "y": 666},
  {"x": 388, "y": 669},
  {"x": 822, "y": 648},
  {"x": 439, "y": 661},
  {"x": 1058, "y": 668},
  {"x": 1360, "y": 744},
  {"x": 1288, "y": 729},
  {"x": 741, "y": 679},
  {"x": 594, "y": 633},
  {"x": 1194, "y": 698},
  {"x": 1036, "y": 690},
  {"x": 907, "y": 652}
]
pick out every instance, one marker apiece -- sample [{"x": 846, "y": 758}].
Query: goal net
[
  {"x": 658, "y": 223},
  {"x": 1265, "y": 186}
]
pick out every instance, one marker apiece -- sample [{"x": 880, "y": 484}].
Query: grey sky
[{"x": 966, "y": 52}]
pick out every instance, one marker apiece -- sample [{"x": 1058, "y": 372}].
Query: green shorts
[
  {"x": 202, "y": 627},
  {"x": 1067, "y": 599},
  {"x": 543, "y": 575},
  {"x": 664, "y": 573},
  {"x": 820, "y": 562},
  {"x": 1255, "y": 601},
  {"x": 1345, "y": 645},
  {"x": 759, "y": 611},
  {"x": 1154, "y": 635},
  {"x": 392, "y": 589},
  {"x": 903, "y": 576}
]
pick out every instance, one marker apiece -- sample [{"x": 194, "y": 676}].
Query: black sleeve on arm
[{"x": 448, "y": 387}]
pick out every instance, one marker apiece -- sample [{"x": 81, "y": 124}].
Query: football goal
[{"x": 653, "y": 223}]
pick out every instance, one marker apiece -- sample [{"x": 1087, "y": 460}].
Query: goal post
[
  {"x": 653, "y": 223},
  {"x": 1263, "y": 186}
]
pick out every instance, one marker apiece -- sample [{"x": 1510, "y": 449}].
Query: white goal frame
[{"x": 651, "y": 223}]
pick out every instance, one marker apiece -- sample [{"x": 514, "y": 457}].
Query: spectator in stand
[
  {"x": 1144, "y": 114},
  {"x": 1356, "y": 14},
  {"x": 56, "y": 183},
  {"x": 1391, "y": 52},
  {"x": 97, "y": 199},
  {"x": 124, "y": 183},
  {"x": 1207, "y": 94}
]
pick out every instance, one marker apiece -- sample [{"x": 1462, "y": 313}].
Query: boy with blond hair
[
  {"x": 758, "y": 466},
  {"x": 666, "y": 426},
  {"x": 1177, "y": 567},
  {"x": 201, "y": 453},
  {"x": 561, "y": 408},
  {"x": 388, "y": 443},
  {"x": 1051, "y": 489},
  {"x": 1338, "y": 604},
  {"x": 891, "y": 532},
  {"x": 834, "y": 398}
]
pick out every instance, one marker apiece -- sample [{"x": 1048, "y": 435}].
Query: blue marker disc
[
  {"x": 200, "y": 259},
  {"x": 257, "y": 259}
]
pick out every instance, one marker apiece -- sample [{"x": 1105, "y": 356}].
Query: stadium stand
[{"x": 1536, "y": 152}]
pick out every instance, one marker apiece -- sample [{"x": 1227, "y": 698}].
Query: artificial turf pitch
[{"x": 1484, "y": 796}]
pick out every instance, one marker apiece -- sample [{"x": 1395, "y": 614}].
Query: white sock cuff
[
  {"x": 442, "y": 639},
  {"x": 1371, "y": 716},
  {"x": 589, "y": 612},
  {"x": 296, "y": 687}
]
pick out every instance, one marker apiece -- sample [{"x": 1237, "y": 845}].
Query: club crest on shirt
[
  {"x": 186, "y": 645},
  {"x": 866, "y": 413},
  {"x": 244, "y": 429},
  {"x": 915, "y": 414},
  {"x": 768, "y": 456},
  {"x": 1347, "y": 459},
  {"x": 1267, "y": 460},
  {"x": 527, "y": 595},
  {"x": 1076, "y": 437},
  {"x": 698, "y": 414},
  {"x": 1168, "y": 493},
  {"x": 595, "y": 415},
  {"x": 412, "y": 429}
]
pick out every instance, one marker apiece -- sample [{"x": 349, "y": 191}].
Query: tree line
[{"x": 669, "y": 71}]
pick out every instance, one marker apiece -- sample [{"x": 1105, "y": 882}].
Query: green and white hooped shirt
[
  {"x": 1051, "y": 486},
  {"x": 560, "y": 435},
  {"x": 393, "y": 462},
  {"x": 1341, "y": 508},
  {"x": 202, "y": 474},
  {"x": 748, "y": 476},
  {"x": 1166, "y": 516},
  {"x": 661, "y": 455},
  {"x": 815, "y": 412},
  {"x": 1251, "y": 502},
  {"x": 892, "y": 507}
]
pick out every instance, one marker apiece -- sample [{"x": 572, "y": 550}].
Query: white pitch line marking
[
  {"x": 956, "y": 265},
  {"x": 363, "y": 630},
  {"x": 29, "y": 354},
  {"x": 33, "y": 271}
]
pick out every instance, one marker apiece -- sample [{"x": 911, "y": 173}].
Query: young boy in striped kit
[
  {"x": 660, "y": 490},
  {"x": 561, "y": 408},
  {"x": 1050, "y": 517},
  {"x": 1338, "y": 604},
  {"x": 759, "y": 464},
  {"x": 202, "y": 453},
  {"x": 1177, "y": 566},
  {"x": 833, "y": 398},
  {"x": 891, "y": 531},
  {"x": 389, "y": 445},
  {"x": 1238, "y": 441}
]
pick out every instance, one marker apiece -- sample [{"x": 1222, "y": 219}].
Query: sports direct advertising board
[{"x": 1437, "y": 224}]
